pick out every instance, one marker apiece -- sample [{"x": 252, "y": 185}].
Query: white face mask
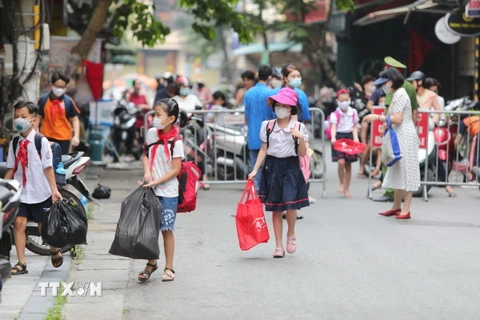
[
  {"x": 22, "y": 125},
  {"x": 281, "y": 112},
  {"x": 276, "y": 83},
  {"x": 157, "y": 123},
  {"x": 387, "y": 89},
  {"x": 58, "y": 92},
  {"x": 343, "y": 105}
]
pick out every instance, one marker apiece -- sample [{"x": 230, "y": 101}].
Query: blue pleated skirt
[{"x": 283, "y": 186}]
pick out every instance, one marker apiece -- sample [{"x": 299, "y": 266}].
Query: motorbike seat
[{"x": 71, "y": 158}]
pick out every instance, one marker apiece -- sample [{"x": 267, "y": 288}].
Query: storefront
[{"x": 405, "y": 30}]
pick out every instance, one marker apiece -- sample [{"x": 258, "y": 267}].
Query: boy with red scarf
[
  {"x": 162, "y": 161},
  {"x": 39, "y": 186}
]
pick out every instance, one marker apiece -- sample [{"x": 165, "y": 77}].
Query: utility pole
[{"x": 26, "y": 59}]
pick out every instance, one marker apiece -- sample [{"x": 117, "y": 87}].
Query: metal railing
[
  {"x": 444, "y": 149},
  {"x": 216, "y": 140}
]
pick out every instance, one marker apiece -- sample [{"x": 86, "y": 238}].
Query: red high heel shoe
[
  {"x": 403, "y": 216},
  {"x": 390, "y": 213}
]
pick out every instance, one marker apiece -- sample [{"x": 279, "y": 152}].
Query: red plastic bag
[
  {"x": 349, "y": 146},
  {"x": 251, "y": 224}
]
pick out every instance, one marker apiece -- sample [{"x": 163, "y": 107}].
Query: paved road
[{"x": 350, "y": 263}]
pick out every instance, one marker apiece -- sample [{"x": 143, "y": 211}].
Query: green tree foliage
[
  {"x": 117, "y": 16},
  {"x": 312, "y": 35}
]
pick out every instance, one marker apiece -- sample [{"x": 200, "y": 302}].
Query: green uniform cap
[{"x": 394, "y": 63}]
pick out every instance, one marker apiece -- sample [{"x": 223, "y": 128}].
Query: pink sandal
[
  {"x": 279, "y": 253},
  {"x": 291, "y": 245}
]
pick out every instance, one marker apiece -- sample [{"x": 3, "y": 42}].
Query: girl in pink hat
[{"x": 283, "y": 186}]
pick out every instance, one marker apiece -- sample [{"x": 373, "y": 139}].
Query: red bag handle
[{"x": 249, "y": 191}]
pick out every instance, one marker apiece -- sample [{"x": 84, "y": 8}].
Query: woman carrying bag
[{"x": 404, "y": 175}]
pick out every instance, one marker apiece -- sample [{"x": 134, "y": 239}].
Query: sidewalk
[
  {"x": 97, "y": 264},
  {"x": 21, "y": 297}
]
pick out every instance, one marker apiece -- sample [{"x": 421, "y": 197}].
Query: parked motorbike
[
  {"x": 463, "y": 163},
  {"x": 123, "y": 130},
  {"x": 196, "y": 141},
  {"x": 231, "y": 158},
  {"x": 10, "y": 192},
  {"x": 74, "y": 163}
]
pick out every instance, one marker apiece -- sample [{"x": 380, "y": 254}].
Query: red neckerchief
[
  {"x": 22, "y": 158},
  {"x": 163, "y": 137},
  {"x": 56, "y": 106}
]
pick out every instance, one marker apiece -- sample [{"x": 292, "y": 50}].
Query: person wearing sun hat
[
  {"x": 282, "y": 186},
  {"x": 412, "y": 94}
]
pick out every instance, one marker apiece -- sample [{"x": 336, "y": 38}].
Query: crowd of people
[{"x": 276, "y": 110}]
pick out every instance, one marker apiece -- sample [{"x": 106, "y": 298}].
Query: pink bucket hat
[{"x": 285, "y": 96}]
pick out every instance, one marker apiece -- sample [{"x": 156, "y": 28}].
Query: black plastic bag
[
  {"x": 65, "y": 224},
  {"x": 139, "y": 226},
  {"x": 102, "y": 192}
]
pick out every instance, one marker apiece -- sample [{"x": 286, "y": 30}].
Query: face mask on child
[
  {"x": 281, "y": 112},
  {"x": 157, "y": 123},
  {"x": 22, "y": 125},
  {"x": 344, "y": 105},
  {"x": 58, "y": 92}
]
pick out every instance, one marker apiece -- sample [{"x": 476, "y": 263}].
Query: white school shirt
[
  {"x": 188, "y": 103},
  {"x": 348, "y": 120},
  {"x": 163, "y": 164},
  {"x": 281, "y": 144},
  {"x": 37, "y": 188}
]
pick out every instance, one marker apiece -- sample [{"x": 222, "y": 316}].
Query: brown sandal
[
  {"x": 147, "y": 274},
  {"x": 57, "y": 262},
  {"x": 17, "y": 270}
]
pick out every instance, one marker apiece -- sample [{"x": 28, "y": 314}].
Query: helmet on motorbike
[
  {"x": 417, "y": 76},
  {"x": 277, "y": 73}
]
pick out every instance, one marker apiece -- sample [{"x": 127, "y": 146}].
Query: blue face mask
[
  {"x": 185, "y": 91},
  {"x": 295, "y": 83}
]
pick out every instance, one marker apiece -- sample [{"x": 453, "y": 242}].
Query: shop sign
[
  {"x": 461, "y": 25},
  {"x": 472, "y": 9}
]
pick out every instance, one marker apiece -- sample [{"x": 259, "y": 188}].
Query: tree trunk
[
  {"x": 82, "y": 48},
  {"x": 226, "y": 64},
  {"x": 319, "y": 57}
]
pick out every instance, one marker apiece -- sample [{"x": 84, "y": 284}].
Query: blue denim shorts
[{"x": 169, "y": 213}]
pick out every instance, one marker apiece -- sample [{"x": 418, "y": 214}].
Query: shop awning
[{"x": 388, "y": 14}]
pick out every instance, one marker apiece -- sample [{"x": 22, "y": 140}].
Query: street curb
[{"x": 37, "y": 306}]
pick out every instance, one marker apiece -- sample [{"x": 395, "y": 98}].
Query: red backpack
[{"x": 188, "y": 180}]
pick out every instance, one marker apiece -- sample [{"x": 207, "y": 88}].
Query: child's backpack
[
  {"x": 188, "y": 180},
  {"x": 303, "y": 161},
  {"x": 328, "y": 124},
  {"x": 57, "y": 164}
]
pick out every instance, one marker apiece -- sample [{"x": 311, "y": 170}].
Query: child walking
[
  {"x": 162, "y": 161},
  {"x": 283, "y": 186},
  {"x": 344, "y": 127},
  {"x": 39, "y": 186}
]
